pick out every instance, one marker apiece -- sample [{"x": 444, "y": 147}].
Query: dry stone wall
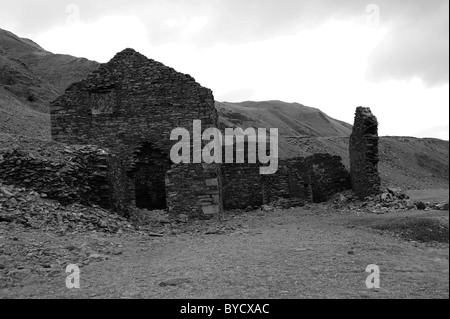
[
  {"x": 364, "y": 154},
  {"x": 80, "y": 174},
  {"x": 328, "y": 176},
  {"x": 299, "y": 180},
  {"x": 198, "y": 195},
  {"x": 120, "y": 185},
  {"x": 311, "y": 179},
  {"x": 242, "y": 186}
]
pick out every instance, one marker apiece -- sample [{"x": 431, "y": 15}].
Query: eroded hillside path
[{"x": 298, "y": 253}]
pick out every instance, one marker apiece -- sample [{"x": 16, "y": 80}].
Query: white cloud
[
  {"x": 324, "y": 68},
  {"x": 98, "y": 41},
  {"x": 188, "y": 27},
  {"x": 7, "y": 22},
  {"x": 407, "y": 107}
]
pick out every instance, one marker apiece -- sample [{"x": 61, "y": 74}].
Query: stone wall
[
  {"x": 131, "y": 105},
  {"x": 364, "y": 154},
  {"x": 76, "y": 174},
  {"x": 199, "y": 196},
  {"x": 311, "y": 179},
  {"x": 301, "y": 180},
  {"x": 242, "y": 186},
  {"x": 288, "y": 183},
  {"x": 120, "y": 186},
  {"x": 328, "y": 176}
]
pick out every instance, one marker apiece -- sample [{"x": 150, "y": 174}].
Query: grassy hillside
[
  {"x": 19, "y": 82},
  {"x": 31, "y": 77},
  {"x": 57, "y": 70},
  {"x": 17, "y": 118},
  {"x": 292, "y": 119}
]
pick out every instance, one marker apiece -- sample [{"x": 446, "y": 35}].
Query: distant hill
[
  {"x": 31, "y": 77},
  {"x": 57, "y": 70},
  {"x": 292, "y": 119}
]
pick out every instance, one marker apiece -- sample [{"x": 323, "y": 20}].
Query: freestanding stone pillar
[{"x": 364, "y": 154}]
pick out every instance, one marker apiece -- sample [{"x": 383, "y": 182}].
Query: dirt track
[{"x": 299, "y": 253}]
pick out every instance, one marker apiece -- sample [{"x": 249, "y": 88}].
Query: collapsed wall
[
  {"x": 71, "y": 174},
  {"x": 242, "y": 186},
  {"x": 364, "y": 154},
  {"x": 311, "y": 179},
  {"x": 301, "y": 180}
]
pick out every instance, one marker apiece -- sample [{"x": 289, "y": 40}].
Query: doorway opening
[{"x": 149, "y": 178}]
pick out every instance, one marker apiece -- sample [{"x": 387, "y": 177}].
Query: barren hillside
[
  {"x": 292, "y": 119},
  {"x": 57, "y": 70},
  {"x": 31, "y": 77}
]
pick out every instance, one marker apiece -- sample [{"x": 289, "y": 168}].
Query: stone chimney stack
[{"x": 364, "y": 154}]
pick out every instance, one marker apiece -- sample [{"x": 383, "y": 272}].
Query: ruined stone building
[
  {"x": 302, "y": 180},
  {"x": 129, "y": 107}
]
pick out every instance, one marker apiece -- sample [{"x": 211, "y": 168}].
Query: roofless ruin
[{"x": 129, "y": 107}]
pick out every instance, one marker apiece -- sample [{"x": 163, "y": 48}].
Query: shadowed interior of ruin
[
  {"x": 149, "y": 177},
  {"x": 297, "y": 188}
]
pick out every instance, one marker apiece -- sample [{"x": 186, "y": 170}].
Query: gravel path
[{"x": 300, "y": 253}]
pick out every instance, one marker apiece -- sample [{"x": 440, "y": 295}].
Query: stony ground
[{"x": 310, "y": 252}]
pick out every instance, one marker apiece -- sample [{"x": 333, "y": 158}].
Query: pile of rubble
[
  {"x": 390, "y": 199},
  {"x": 30, "y": 209},
  {"x": 30, "y": 226},
  {"x": 283, "y": 203}
]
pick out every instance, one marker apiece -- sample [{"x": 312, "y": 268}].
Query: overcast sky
[{"x": 390, "y": 55}]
